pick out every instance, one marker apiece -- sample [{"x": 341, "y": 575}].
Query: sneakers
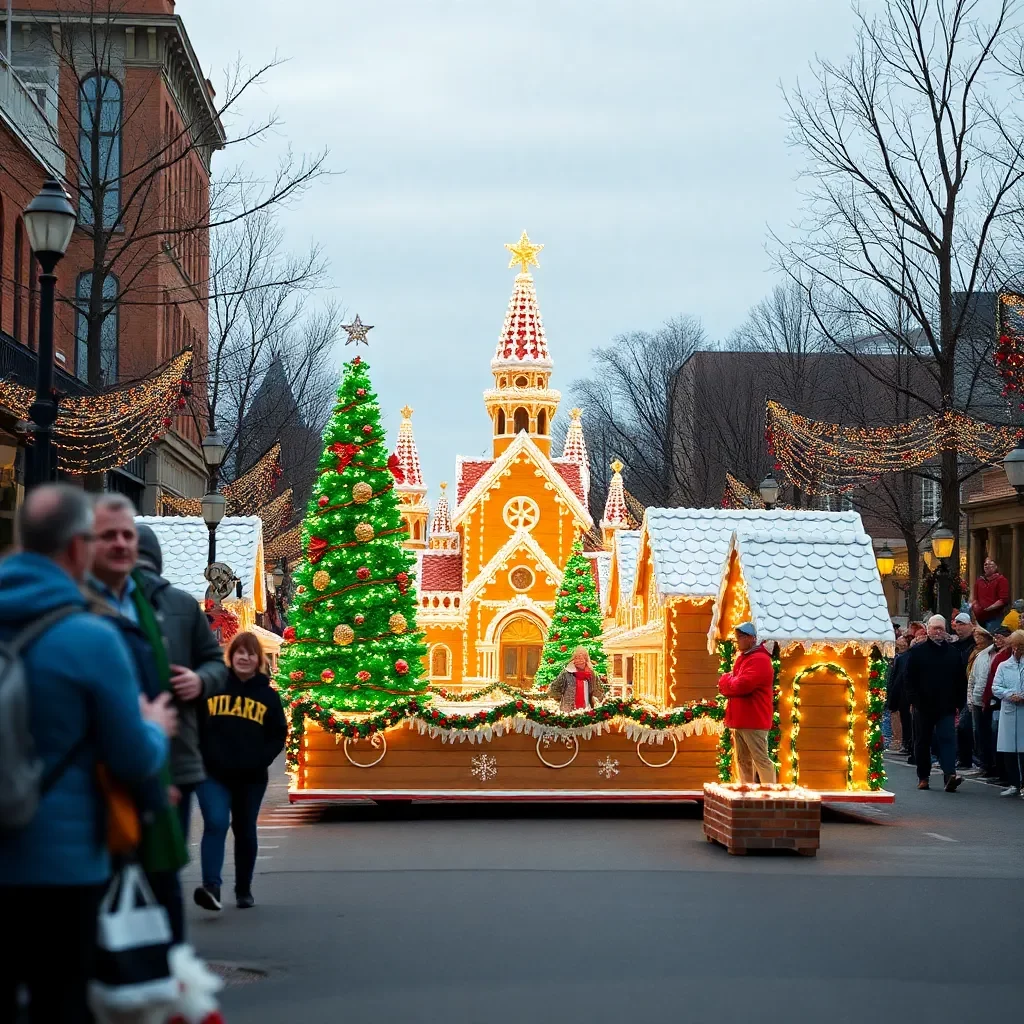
[
  {"x": 208, "y": 897},
  {"x": 244, "y": 901},
  {"x": 1010, "y": 791},
  {"x": 923, "y": 784},
  {"x": 953, "y": 783}
]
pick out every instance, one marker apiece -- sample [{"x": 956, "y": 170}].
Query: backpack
[{"x": 23, "y": 783}]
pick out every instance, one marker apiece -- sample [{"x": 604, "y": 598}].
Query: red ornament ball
[
  {"x": 360, "y": 392},
  {"x": 166, "y": 421},
  {"x": 579, "y": 572},
  {"x": 327, "y": 675},
  {"x": 402, "y": 666},
  {"x": 323, "y": 501},
  {"x": 581, "y": 588},
  {"x": 362, "y": 573},
  {"x": 359, "y": 619},
  {"x": 565, "y": 618},
  {"x": 367, "y": 428},
  {"x": 363, "y": 676},
  {"x": 289, "y": 634},
  {"x": 563, "y": 648}
]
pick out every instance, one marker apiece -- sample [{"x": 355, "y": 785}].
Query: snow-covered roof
[
  {"x": 627, "y": 548},
  {"x": 689, "y": 545},
  {"x": 603, "y": 560},
  {"x": 810, "y": 587},
  {"x": 184, "y": 542}
]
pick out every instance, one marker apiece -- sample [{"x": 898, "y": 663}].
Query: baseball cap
[
  {"x": 1002, "y": 631},
  {"x": 747, "y": 627},
  {"x": 963, "y": 617}
]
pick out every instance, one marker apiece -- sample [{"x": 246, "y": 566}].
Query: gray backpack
[{"x": 23, "y": 783}]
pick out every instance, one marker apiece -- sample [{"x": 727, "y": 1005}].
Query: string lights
[
  {"x": 824, "y": 458},
  {"x": 1009, "y": 353},
  {"x": 725, "y": 649},
  {"x": 94, "y": 433},
  {"x": 249, "y": 495}
]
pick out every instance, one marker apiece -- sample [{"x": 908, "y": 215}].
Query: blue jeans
[
  {"x": 185, "y": 808},
  {"x": 239, "y": 803},
  {"x": 943, "y": 732}
]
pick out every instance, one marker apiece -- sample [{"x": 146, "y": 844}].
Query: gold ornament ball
[
  {"x": 344, "y": 635},
  {"x": 397, "y": 623},
  {"x": 362, "y": 493},
  {"x": 364, "y": 532},
  {"x": 321, "y": 579}
]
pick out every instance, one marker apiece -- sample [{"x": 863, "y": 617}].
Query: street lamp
[
  {"x": 1013, "y": 465},
  {"x": 278, "y": 575},
  {"x": 213, "y": 503},
  {"x": 886, "y": 561},
  {"x": 769, "y": 488},
  {"x": 49, "y": 221},
  {"x": 943, "y": 543}
]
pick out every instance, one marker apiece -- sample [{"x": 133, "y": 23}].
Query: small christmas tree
[
  {"x": 576, "y": 622},
  {"x": 352, "y": 643}
]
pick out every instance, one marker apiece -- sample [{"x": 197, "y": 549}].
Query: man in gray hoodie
[{"x": 197, "y": 665}]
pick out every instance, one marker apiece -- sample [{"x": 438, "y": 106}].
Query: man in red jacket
[
  {"x": 991, "y": 596},
  {"x": 748, "y": 715}
]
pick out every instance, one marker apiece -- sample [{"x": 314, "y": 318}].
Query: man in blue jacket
[{"x": 85, "y": 710}]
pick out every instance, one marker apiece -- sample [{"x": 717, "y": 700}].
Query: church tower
[
  {"x": 442, "y": 536},
  {"x": 410, "y": 489},
  {"x": 521, "y": 399},
  {"x": 616, "y": 515},
  {"x": 575, "y": 450}
]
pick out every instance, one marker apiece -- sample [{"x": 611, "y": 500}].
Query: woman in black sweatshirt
[{"x": 242, "y": 729}]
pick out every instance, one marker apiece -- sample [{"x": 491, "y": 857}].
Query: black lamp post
[
  {"x": 769, "y": 489},
  {"x": 213, "y": 502},
  {"x": 49, "y": 221},
  {"x": 943, "y": 543}
]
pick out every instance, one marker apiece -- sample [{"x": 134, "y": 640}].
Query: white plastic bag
[{"x": 133, "y": 939}]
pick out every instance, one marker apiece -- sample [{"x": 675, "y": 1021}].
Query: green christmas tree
[
  {"x": 352, "y": 644},
  {"x": 576, "y": 622}
]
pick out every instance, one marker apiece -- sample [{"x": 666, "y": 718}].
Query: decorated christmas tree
[
  {"x": 575, "y": 623},
  {"x": 352, "y": 644}
]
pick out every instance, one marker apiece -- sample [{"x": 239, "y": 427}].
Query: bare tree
[
  {"x": 629, "y": 412},
  {"x": 138, "y": 174},
  {"x": 912, "y": 168}
]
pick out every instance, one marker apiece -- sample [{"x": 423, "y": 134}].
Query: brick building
[{"x": 119, "y": 83}]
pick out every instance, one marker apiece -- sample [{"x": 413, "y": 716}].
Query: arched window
[
  {"x": 19, "y": 276},
  {"x": 108, "y": 332},
  {"x": 521, "y": 420},
  {"x": 440, "y": 662},
  {"x": 542, "y": 422},
  {"x": 99, "y": 147},
  {"x": 500, "y": 426},
  {"x": 416, "y": 530}
]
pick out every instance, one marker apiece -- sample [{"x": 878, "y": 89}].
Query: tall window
[
  {"x": 520, "y": 420},
  {"x": 440, "y": 662},
  {"x": 832, "y": 503},
  {"x": 33, "y": 288},
  {"x": 931, "y": 500},
  {"x": 99, "y": 115},
  {"x": 19, "y": 277},
  {"x": 108, "y": 334}
]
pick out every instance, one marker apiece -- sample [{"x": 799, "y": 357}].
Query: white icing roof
[
  {"x": 627, "y": 550},
  {"x": 185, "y": 540},
  {"x": 604, "y": 570},
  {"x": 689, "y": 545},
  {"x": 811, "y": 587}
]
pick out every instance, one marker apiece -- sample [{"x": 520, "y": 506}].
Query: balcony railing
[
  {"x": 18, "y": 363},
  {"x": 22, "y": 109}
]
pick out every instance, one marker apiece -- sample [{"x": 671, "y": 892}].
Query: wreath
[{"x": 224, "y": 625}]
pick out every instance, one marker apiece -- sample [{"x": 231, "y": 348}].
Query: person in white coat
[
  {"x": 1008, "y": 686},
  {"x": 977, "y": 679}
]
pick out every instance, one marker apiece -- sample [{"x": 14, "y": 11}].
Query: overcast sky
[{"x": 642, "y": 142}]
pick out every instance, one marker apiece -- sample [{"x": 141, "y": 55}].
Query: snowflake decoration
[
  {"x": 484, "y": 767},
  {"x": 608, "y": 767}
]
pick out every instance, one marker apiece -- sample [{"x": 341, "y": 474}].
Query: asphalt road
[{"x": 488, "y": 915}]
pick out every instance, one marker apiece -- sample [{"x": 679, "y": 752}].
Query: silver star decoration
[{"x": 356, "y": 331}]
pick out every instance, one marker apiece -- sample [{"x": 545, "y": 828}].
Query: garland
[
  {"x": 877, "y": 668},
  {"x": 851, "y": 718},
  {"x": 794, "y": 755},
  {"x": 775, "y": 733},
  {"x": 725, "y": 649},
  {"x": 637, "y": 720},
  {"x": 465, "y": 698}
]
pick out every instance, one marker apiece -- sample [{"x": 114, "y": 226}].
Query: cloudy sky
[{"x": 642, "y": 142}]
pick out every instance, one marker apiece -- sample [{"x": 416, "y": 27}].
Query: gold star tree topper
[
  {"x": 524, "y": 252},
  {"x": 356, "y": 331}
]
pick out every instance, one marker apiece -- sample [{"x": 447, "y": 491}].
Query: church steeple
[
  {"x": 442, "y": 536},
  {"x": 616, "y": 515},
  {"x": 411, "y": 490},
  {"x": 575, "y": 449},
  {"x": 521, "y": 399}
]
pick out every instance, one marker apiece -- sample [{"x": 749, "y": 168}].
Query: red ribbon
[
  {"x": 317, "y": 549},
  {"x": 396, "y": 469},
  {"x": 345, "y": 452}
]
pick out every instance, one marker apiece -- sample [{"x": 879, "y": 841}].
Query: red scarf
[{"x": 583, "y": 677}]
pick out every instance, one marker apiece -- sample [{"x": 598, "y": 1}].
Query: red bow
[
  {"x": 396, "y": 469},
  {"x": 345, "y": 452},
  {"x": 317, "y": 549}
]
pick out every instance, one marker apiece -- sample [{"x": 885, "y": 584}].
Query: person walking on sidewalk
[
  {"x": 1008, "y": 687},
  {"x": 197, "y": 668},
  {"x": 748, "y": 715},
  {"x": 937, "y": 689},
  {"x": 84, "y": 711},
  {"x": 977, "y": 680},
  {"x": 243, "y": 729}
]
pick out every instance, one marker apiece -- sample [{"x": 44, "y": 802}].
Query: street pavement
[{"x": 492, "y": 915}]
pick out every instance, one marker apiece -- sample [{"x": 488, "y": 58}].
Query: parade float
[{"x": 416, "y": 659}]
